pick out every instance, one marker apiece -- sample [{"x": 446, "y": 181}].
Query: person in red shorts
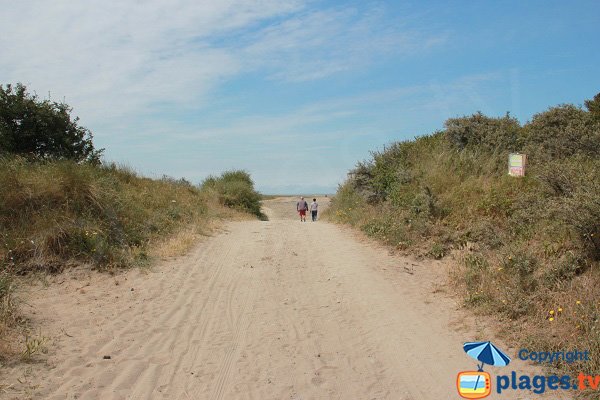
[{"x": 302, "y": 207}]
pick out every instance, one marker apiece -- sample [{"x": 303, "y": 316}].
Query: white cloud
[
  {"x": 115, "y": 58},
  {"x": 317, "y": 44},
  {"x": 128, "y": 67},
  {"x": 112, "y": 59},
  {"x": 382, "y": 114}
]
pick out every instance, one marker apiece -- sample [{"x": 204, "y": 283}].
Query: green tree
[{"x": 41, "y": 129}]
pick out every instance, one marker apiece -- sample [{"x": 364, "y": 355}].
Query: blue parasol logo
[
  {"x": 477, "y": 385},
  {"x": 487, "y": 353}
]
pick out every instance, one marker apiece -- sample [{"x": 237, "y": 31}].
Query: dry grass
[
  {"x": 527, "y": 249},
  {"x": 176, "y": 244},
  {"x": 57, "y": 214},
  {"x": 184, "y": 239}
]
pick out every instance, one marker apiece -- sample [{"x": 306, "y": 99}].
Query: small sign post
[{"x": 516, "y": 164}]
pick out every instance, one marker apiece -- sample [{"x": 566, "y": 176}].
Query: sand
[{"x": 261, "y": 310}]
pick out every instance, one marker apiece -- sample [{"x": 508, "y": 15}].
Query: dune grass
[
  {"x": 527, "y": 250},
  {"x": 54, "y": 214},
  {"x": 235, "y": 189}
]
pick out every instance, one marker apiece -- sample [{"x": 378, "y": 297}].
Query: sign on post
[{"x": 516, "y": 164}]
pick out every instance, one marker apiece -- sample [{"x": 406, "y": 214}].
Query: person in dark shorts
[
  {"x": 314, "y": 209},
  {"x": 302, "y": 207}
]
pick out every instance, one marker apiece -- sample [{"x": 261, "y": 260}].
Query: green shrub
[
  {"x": 561, "y": 132},
  {"x": 53, "y": 212},
  {"x": 438, "y": 250},
  {"x": 593, "y": 106},
  {"x": 476, "y": 272},
  {"x": 235, "y": 189},
  {"x": 536, "y": 238},
  {"x": 573, "y": 188},
  {"x": 480, "y": 133}
]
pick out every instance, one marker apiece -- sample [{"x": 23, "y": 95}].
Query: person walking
[
  {"x": 302, "y": 207},
  {"x": 313, "y": 210}
]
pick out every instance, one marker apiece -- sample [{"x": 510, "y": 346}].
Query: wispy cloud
[
  {"x": 114, "y": 58},
  {"x": 314, "y": 45},
  {"x": 132, "y": 68},
  {"x": 118, "y": 58}
]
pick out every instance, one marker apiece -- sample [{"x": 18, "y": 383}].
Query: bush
[
  {"x": 52, "y": 213},
  {"x": 235, "y": 189},
  {"x": 562, "y": 132},
  {"x": 574, "y": 187},
  {"x": 482, "y": 133},
  {"x": 59, "y": 213},
  {"x": 593, "y": 106},
  {"x": 533, "y": 242}
]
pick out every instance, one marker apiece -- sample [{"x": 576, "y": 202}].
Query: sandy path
[{"x": 262, "y": 310}]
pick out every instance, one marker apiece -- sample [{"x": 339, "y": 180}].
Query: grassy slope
[
  {"x": 527, "y": 248},
  {"x": 55, "y": 214}
]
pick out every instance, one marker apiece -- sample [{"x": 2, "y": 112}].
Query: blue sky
[{"x": 295, "y": 92}]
